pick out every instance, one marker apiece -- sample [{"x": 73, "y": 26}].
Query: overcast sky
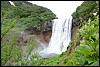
[{"x": 62, "y": 9}]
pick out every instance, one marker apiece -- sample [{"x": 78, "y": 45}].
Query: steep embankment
[
  {"x": 30, "y": 18},
  {"x": 85, "y": 32},
  {"x": 84, "y": 13},
  {"x": 24, "y": 16}
]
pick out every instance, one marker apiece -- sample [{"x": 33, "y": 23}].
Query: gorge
[
  {"x": 55, "y": 42},
  {"x": 60, "y": 39},
  {"x": 54, "y": 39},
  {"x": 49, "y": 33}
]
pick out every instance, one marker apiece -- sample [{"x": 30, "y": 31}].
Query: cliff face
[
  {"x": 28, "y": 15},
  {"x": 84, "y": 12},
  {"x": 74, "y": 31},
  {"x": 31, "y": 18},
  {"x": 43, "y": 37}
]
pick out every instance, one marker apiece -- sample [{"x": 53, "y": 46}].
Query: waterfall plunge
[{"x": 61, "y": 37}]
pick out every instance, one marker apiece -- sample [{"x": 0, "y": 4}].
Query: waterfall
[{"x": 60, "y": 39}]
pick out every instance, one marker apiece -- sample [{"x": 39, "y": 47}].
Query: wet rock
[
  {"x": 74, "y": 31},
  {"x": 48, "y": 26},
  {"x": 45, "y": 37}
]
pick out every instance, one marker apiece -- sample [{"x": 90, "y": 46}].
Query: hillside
[
  {"x": 26, "y": 14},
  {"x": 83, "y": 50}
]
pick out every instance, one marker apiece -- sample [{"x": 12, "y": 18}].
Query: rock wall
[
  {"x": 74, "y": 31},
  {"x": 44, "y": 37}
]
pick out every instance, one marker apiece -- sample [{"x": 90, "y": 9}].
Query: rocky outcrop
[
  {"x": 45, "y": 37},
  {"x": 47, "y": 26},
  {"x": 74, "y": 31}
]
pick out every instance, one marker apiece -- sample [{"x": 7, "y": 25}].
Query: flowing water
[{"x": 61, "y": 37}]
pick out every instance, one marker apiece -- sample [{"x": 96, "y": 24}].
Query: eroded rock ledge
[{"x": 44, "y": 37}]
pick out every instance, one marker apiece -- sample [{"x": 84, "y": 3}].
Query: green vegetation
[
  {"x": 85, "y": 54},
  {"x": 15, "y": 19},
  {"x": 85, "y": 11},
  {"x": 12, "y": 54},
  {"x": 27, "y": 15}
]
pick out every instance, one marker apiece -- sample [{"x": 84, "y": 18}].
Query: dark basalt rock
[
  {"x": 45, "y": 35},
  {"x": 32, "y": 30},
  {"x": 37, "y": 29}
]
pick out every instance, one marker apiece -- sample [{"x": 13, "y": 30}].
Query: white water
[{"x": 61, "y": 37}]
